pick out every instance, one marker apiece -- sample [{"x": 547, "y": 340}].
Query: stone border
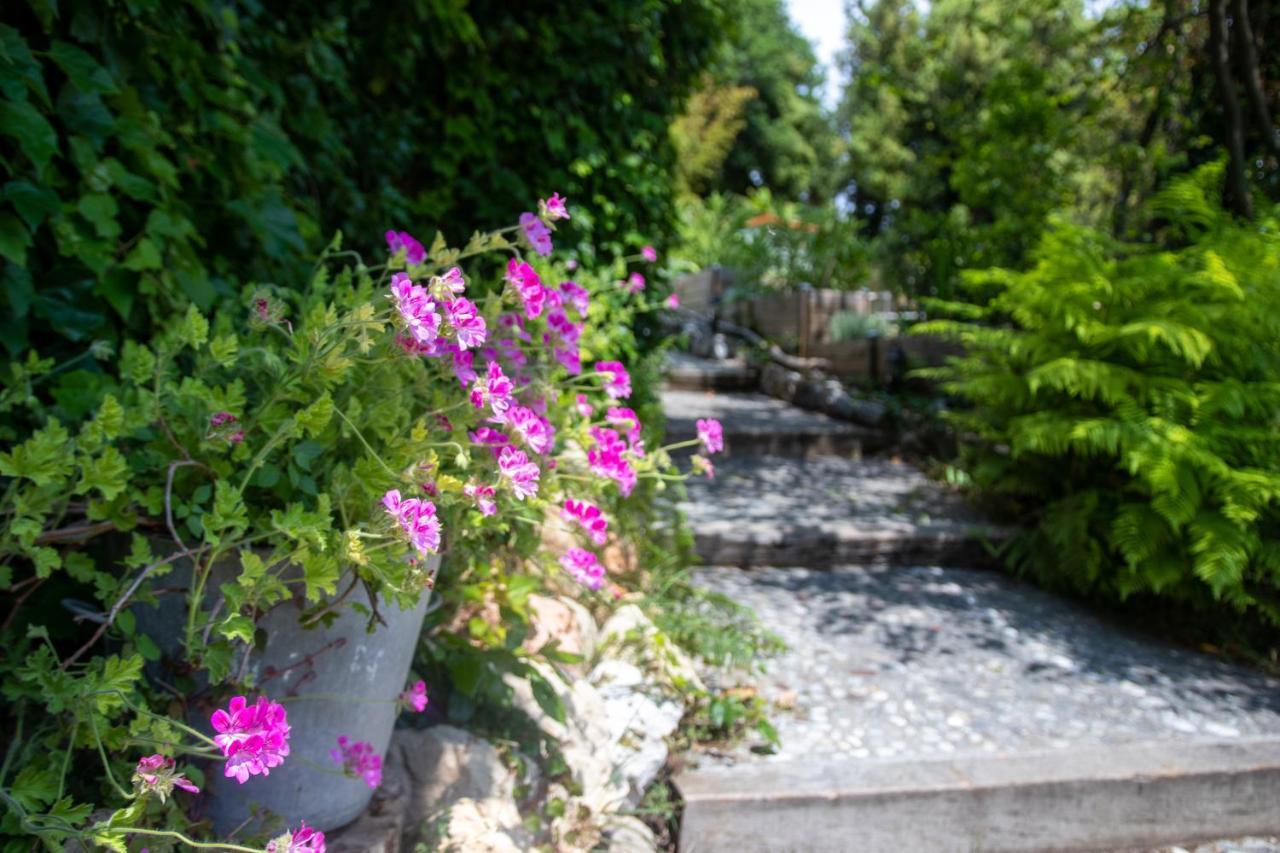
[{"x": 1100, "y": 798}]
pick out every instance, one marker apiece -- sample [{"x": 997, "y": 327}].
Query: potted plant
[{"x": 285, "y": 474}]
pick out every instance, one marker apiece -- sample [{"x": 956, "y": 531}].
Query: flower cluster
[
  {"x": 711, "y": 434},
  {"x": 304, "y": 839},
  {"x": 253, "y": 738},
  {"x": 225, "y": 426},
  {"x": 583, "y": 567},
  {"x": 359, "y": 759},
  {"x": 589, "y": 517},
  {"x": 437, "y": 320},
  {"x": 155, "y": 774},
  {"x": 415, "y": 697},
  {"x": 402, "y": 241},
  {"x": 417, "y": 518}
]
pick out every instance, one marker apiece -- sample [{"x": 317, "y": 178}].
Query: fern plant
[{"x": 1125, "y": 404}]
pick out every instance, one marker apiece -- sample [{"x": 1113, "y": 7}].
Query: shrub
[{"x": 1125, "y": 403}]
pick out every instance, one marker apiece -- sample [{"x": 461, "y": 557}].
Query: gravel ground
[{"x": 929, "y": 662}]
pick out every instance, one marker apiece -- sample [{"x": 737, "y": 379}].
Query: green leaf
[
  {"x": 108, "y": 473},
  {"x": 314, "y": 418},
  {"x": 465, "y": 674},
  {"x": 43, "y": 458},
  {"x": 100, "y": 209},
  {"x": 237, "y": 627},
  {"x": 34, "y": 202},
  {"x": 144, "y": 256},
  {"x": 14, "y": 239},
  {"x": 195, "y": 328},
  {"x": 546, "y": 697},
  {"x": 34, "y": 787},
  {"x": 35, "y": 136},
  {"x": 119, "y": 675},
  {"x": 81, "y": 68},
  {"x": 228, "y": 516},
  {"x": 223, "y": 349}
]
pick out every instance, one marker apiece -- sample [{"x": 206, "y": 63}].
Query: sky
[{"x": 822, "y": 22}]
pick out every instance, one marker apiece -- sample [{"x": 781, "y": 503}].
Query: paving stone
[
  {"x": 770, "y": 511},
  {"x": 690, "y": 373}
]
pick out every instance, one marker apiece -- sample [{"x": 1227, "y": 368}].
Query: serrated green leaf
[
  {"x": 14, "y": 239},
  {"x": 314, "y": 418},
  {"x": 35, "y": 136},
  {"x": 228, "y": 517},
  {"x": 224, "y": 349},
  {"x": 35, "y": 787},
  {"x": 100, "y": 210},
  {"x": 82, "y": 69},
  {"x": 108, "y": 473},
  {"x": 43, "y": 458},
  {"x": 119, "y": 675},
  {"x": 144, "y": 256},
  {"x": 34, "y": 202},
  {"x": 237, "y": 627}
]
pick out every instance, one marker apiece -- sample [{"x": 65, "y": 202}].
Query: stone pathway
[{"x": 930, "y": 702}]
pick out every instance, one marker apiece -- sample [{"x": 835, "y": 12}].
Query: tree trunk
[
  {"x": 1238, "y": 199},
  {"x": 1253, "y": 74}
]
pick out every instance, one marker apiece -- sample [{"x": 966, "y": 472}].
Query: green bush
[{"x": 1125, "y": 403}]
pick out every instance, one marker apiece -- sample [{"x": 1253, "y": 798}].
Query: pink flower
[
  {"x": 605, "y": 458},
  {"x": 534, "y": 430},
  {"x": 583, "y": 405},
  {"x": 702, "y": 465},
  {"x": 414, "y": 253},
  {"x": 553, "y": 208},
  {"x": 618, "y": 385},
  {"x": 463, "y": 369},
  {"x": 522, "y": 473},
  {"x": 710, "y": 434},
  {"x": 583, "y": 567},
  {"x": 417, "y": 519},
  {"x": 589, "y": 517},
  {"x": 236, "y": 437},
  {"x": 411, "y": 347},
  {"x": 358, "y": 758},
  {"x": 571, "y": 264},
  {"x": 570, "y": 358},
  {"x": 220, "y": 418},
  {"x": 537, "y": 233},
  {"x": 577, "y": 295},
  {"x": 673, "y": 301},
  {"x": 304, "y": 839},
  {"x": 467, "y": 324},
  {"x": 155, "y": 774},
  {"x": 567, "y": 330},
  {"x": 451, "y": 283},
  {"x": 528, "y": 286},
  {"x": 627, "y": 419},
  {"x": 635, "y": 282},
  {"x": 417, "y": 309},
  {"x": 416, "y": 697},
  {"x": 485, "y": 435},
  {"x": 253, "y": 738},
  {"x": 483, "y": 496},
  {"x": 495, "y": 389},
  {"x": 649, "y": 253}
]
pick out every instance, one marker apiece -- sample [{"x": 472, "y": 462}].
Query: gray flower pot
[{"x": 335, "y": 680}]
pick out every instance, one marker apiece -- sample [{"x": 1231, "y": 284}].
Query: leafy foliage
[{"x": 1125, "y": 402}]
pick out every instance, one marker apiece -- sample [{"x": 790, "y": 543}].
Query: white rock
[{"x": 631, "y": 636}]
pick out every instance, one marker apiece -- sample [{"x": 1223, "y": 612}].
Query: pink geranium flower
[
  {"x": 528, "y": 286},
  {"x": 483, "y": 496},
  {"x": 673, "y": 301},
  {"x": 702, "y": 465},
  {"x": 618, "y": 385},
  {"x": 537, "y": 233},
  {"x": 711, "y": 434},
  {"x": 649, "y": 253},
  {"x": 495, "y": 389},
  {"x": 522, "y": 473},
  {"x": 358, "y": 759},
  {"x": 468, "y": 326},
  {"x": 253, "y": 738},
  {"x": 583, "y": 405},
  {"x": 606, "y": 458},
  {"x": 635, "y": 282},
  {"x": 589, "y": 517},
  {"x": 553, "y": 208},
  {"x": 304, "y": 839},
  {"x": 535, "y": 430},
  {"x": 583, "y": 567},
  {"x": 155, "y": 774},
  {"x": 416, "y": 308},
  {"x": 417, "y": 519},
  {"x": 627, "y": 419},
  {"x": 415, "y": 697},
  {"x": 414, "y": 252},
  {"x": 577, "y": 295},
  {"x": 570, "y": 358},
  {"x": 451, "y": 283}
]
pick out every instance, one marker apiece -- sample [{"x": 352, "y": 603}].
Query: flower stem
[{"x": 168, "y": 833}]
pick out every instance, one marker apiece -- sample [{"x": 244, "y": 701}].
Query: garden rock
[
  {"x": 777, "y": 381},
  {"x": 565, "y": 621},
  {"x": 629, "y": 834},
  {"x": 628, "y": 635},
  {"x": 639, "y": 723}
]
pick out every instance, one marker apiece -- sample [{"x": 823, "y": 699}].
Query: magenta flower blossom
[
  {"x": 253, "y": 738},
  {"x": 583, "y": 405},
  {"x": 417, "y": 519},
  {"x": 606, "y": 458},
  {"x": 417, "y": 309},
  {"x": 495, "y": 389},
  {"x": 522, "y": 473},
  {"x": 451, "y": 283},
  {"x": 618, "y": 385},
  {"x": 155, "y": 774},
  {"x": 463, "y": 367},
  {"x": 567, "y": 330},
  {"x": 578, "y": 296},
  {"x": 570, "y": 358},
  {"x": 583, "y": 567},
  {"x": 483, "y": 496},
  {"x": 649, "y": 253},
  {"x": 415, "y": 697},
  {"x": 467, "y": 324},
  {"x": 673, "y": 301},
  {"x": 553, "y": 208},
  {"x": 411, "y": 347},
  {"x": 702, "y": 465},
  {"x": 627, "y": 419},
  {"x": 589, "y": 517},
  {"x": 414, "y": 252},
  {"x": 534, "y": 430},
  {"x": 358, "y": 759},
  {"x": 528, "y": 286},
  {"x": 220, "y": 418},
  {"x": 537, "y": 233},
  {"x": 491, "y": 437},
  {"x": 635, "y": 282},
  {"x": 711, "y": 434},
  {"x": 304, "y": 839}
]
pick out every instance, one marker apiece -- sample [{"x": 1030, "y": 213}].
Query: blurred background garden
[{"x": 1025, "y": 253}]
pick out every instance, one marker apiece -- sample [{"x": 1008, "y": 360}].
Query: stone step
[
  {"x": 686, "y": 372},
  {"x": 822, "y": 512},
  {"x": 756, "y": 425},
  {"x": 1100, "y": 798}
]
